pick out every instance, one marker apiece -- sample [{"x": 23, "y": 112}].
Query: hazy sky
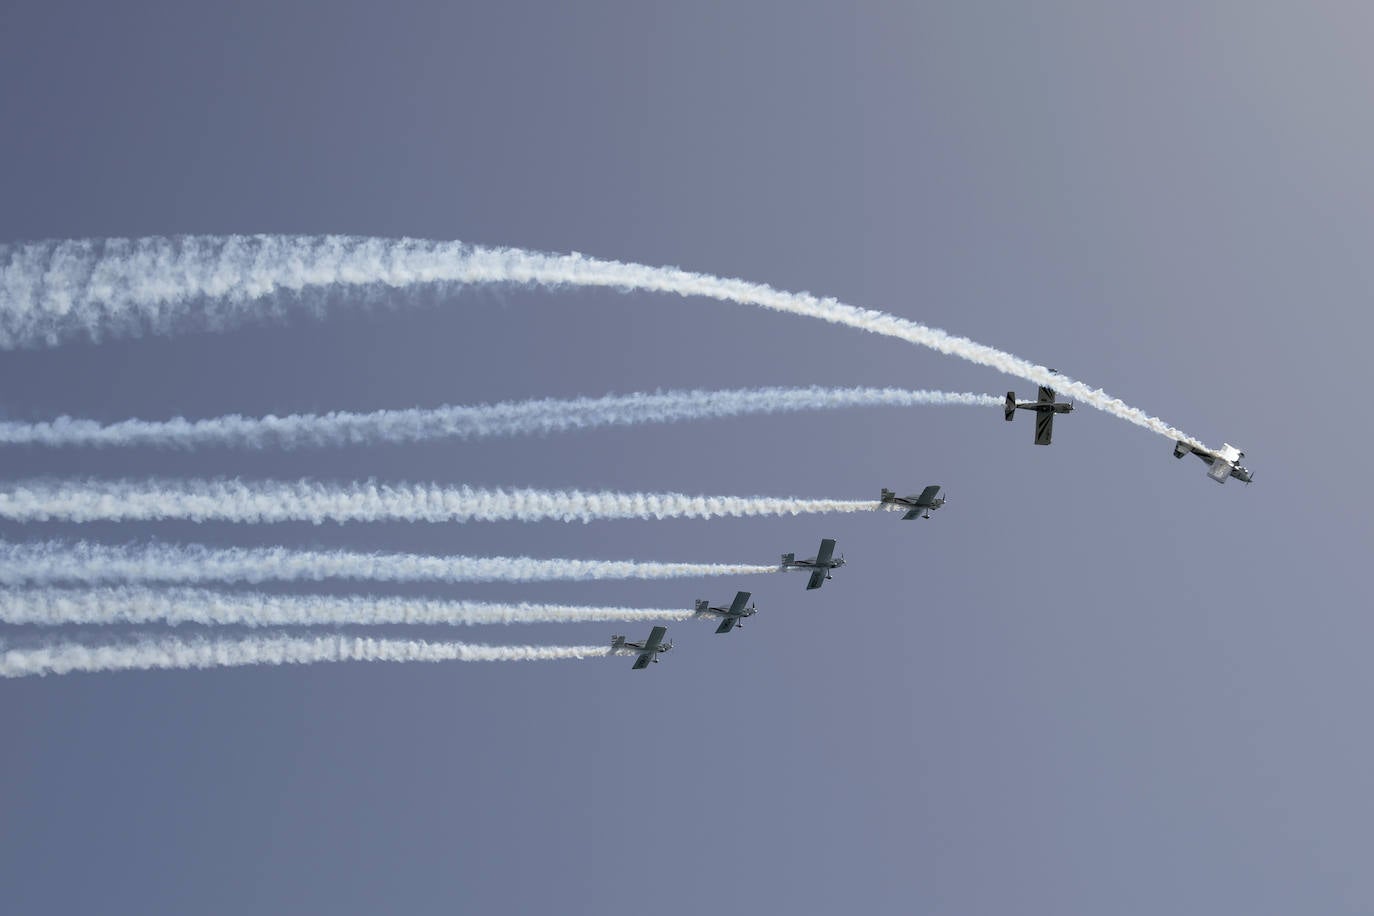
[{"x": 1095, "y": 682}]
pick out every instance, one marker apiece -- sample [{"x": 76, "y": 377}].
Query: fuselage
[
  {"x": 1045, "y": 406},
  {"x": 812, "y": 564}
]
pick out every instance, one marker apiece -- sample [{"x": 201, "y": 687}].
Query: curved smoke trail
[
  {"x": 279, "y": 501},
  {"x": 512, "y": 418},
  {"x": 57, "y": 290},
  {"x": 43, "y": 562},
  {"x": 133, "y": 605},
  {"x": 173, "y": 652}
]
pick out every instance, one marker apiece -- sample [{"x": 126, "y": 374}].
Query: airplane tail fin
[
  {"x": 703, "y": 606},
  {"x": 1181, "y": 449},
  {"x": 1010, "y": 408},
  {"x": 787, "y": 559},
  {"x": 888, "y": 495},
  {"x": 617, "y": 642}
]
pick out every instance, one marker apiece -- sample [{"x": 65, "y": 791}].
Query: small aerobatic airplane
[
  {"x": 1225, "y": 461},
  {"x": 649, "y": 650},
  {"x": 820, "y": 565},
  {"x": 1045, "y": 408},
  {"x": 733, "y": 615},
  {"x": 921, "y": 505}
]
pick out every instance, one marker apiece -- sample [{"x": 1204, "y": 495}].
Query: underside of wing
[
  {"x": 727, "y": 624},
  {"x": 1046, "y": 395},
  {"x": 642, "y": 661},
  {"x": 1044, "y": 426},
  {"x": 817, "y": 579},
  {"x": 737, "y": 606},
  {"x": 927, "y": 497},
  {"x": 826, "y": 552},
  {"x": 655, "y": 637},
  {"x": 914, "y": 513}
]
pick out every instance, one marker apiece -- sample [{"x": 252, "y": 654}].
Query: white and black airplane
[
  {"x": 732, "y": 616},
  {"x": 648, "y": 650},
  {"x": 820, "y": 565},
  {"x": 1045, "y": 408},
  {"x": 920, "y": 505},
  {"x": 1225, "y": 461}
]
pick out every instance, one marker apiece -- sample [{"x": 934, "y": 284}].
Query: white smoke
[
  {"x": 133, "y": 605},
  {"x": 173, "y": 652},
  {"x": 513, "y": 418},
  {"x": 53, "y": 291},
  {"x": 279, "y": 501},
  {"x": 43, "y": 562}
]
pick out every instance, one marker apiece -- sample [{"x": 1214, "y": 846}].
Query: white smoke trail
[
  {"x": 53, "y": 291},
  {"x": 504, "y": 419},
  {"x": 171, "y": 652},
  {"x": 83, "y": 562},
  {"x": 279, "y": 501},
  {"x": 133, "y": 605}
]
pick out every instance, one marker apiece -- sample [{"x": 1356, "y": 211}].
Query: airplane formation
[
  {"x": 179, "y": 270},
  {"x": 1222, "y": 463}
]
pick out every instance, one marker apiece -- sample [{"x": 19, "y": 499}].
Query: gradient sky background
[{"x": 1096, "y": 682}]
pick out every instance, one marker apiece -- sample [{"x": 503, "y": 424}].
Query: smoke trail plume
[
  {"x": 54, "y": 291},
  {"x": 279, "y": 501},
  {"x": 171, "y": 652},
  {"x": 133, "y": 605},
  {"x": 511, "y": 418},
  {"x": 87, "y": 563}
]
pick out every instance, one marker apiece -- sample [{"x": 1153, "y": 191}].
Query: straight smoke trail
[
  {"x": 170, "y": 652},
  {"x": 132, "y": 605},
  {"x": 511, "y": 418},
  {"x": 87, "y": 563},
  {"x": 57, "y": 290},
  {"x": 280, "y": 501}
]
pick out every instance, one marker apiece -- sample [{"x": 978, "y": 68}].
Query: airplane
[
  {"x": 733, "y": 615},
  {"x": 820, "y": 565},
  {"x": 648, "y": 650},
  {"x": 1045, "y": 408},
  {"x": 1225, "y": 461},
  {"x": 920, "y": 505}
]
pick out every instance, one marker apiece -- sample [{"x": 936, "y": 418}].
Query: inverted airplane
[
  {"x": 920, "y": 505},
  {"x": 1225, "y": 461},
  {"x": 1045, "y": 408},
  {"x": 820, "y": 565},
  {"x": 732, "y": 616},
  {"x": 648, "y": 650}
]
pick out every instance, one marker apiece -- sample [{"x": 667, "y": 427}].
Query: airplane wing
[
  {"x": 737, "y": 606},
  {"x": 1044, "y": 425},
  {"x": 817, "y": 579},
  {"x": 727, "y": 624},
  {"x": 642, "y": 661},
  {"x": 826, "y": 552},
  {"x": 1046, "y": 395},
  {"x": 928, "y": 495},
  {"x": 914, "y": 513},
  {"x": 655, "y": 637}
]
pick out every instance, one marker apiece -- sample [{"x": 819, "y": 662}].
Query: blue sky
[{"x": 1094, "y": 682}]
